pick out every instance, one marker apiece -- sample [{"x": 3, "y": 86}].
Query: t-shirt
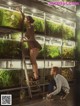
[{"x": 61, "y": 83}]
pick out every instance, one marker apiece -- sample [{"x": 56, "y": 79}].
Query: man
[{"x": 61, "y": 84}]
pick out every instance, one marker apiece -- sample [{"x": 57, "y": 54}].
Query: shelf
[
  {"x": 8, "y": 30},
  {"x": 47, "y": 64},
  {"x": 38, "y": 59},
  {"x": 19, "y": 88}
]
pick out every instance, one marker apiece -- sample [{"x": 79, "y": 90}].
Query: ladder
[
  {"x": 33, "y": 86},
  {"x": 25, "y": 65}
]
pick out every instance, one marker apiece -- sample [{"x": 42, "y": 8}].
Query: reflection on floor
[
  {"x": 69, "y": 101},
  {"x": 38, "y": 101},
  {"x": 56, "y": 102}
]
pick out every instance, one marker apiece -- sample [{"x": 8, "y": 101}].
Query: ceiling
[{"x": 67, "y": 12}]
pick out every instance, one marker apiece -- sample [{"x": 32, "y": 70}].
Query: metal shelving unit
[{"x": 47, "y": 62}]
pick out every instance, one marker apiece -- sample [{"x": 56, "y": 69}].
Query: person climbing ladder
[{"x": 34, "y": 46}]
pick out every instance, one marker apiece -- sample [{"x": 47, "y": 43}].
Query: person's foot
[
  {"x": 35, "y": 79},
  {"x": 49, "y": 97},
  {"x": 63, "y": 97}
]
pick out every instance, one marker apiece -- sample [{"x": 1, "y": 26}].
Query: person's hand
[
  {"x": 48, "y": 96},
  {"x": 18, "y": 9}
]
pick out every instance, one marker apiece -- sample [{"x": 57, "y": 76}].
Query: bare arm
[
  {"x": 22, "y": 14},
  {"x": 58, "y": 87}
]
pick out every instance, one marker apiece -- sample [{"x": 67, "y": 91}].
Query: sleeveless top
[{"x": 32, "y": 43}]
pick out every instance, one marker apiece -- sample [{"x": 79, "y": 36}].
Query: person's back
[
  {"x": 61, "y": 83},
  {"x": 64, "y": 82}
]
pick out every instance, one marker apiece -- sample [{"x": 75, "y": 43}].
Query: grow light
[
  {"x": 78, "y": 13},
  {"x": 52, "y": 16},
  {"x": 34, "y": 10},
  {"x": 9, "y": 3}
]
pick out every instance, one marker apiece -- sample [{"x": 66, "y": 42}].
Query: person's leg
[
  {"x": 51, "y": 86},
  {"x": 65, "y": 94},
  {"x": 33, "y": 54}
]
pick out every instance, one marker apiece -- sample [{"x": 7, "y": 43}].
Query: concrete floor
[
  {"x": 56, "y": 102},
  {"x": 39, "y": 101},
  {"x": 69, "y": 101}
]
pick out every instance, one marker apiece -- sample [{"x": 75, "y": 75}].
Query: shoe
[
  {"x": 36, "y": 79},
  {"x": 49, "y": 97},
  {"x": 63, "y": 97}
]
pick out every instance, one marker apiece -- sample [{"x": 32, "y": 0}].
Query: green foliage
[
  {"x": 53, "y": 51},
  {"x": 9, "y": 78},
  {"x": 78, "y": 45},
  {"x": 13, "y": 19},
  {"x": 16, "y": 36},
  {"x": 38, "y": 25},
  {"x": 43, "y": 52},
  {"x": 68, "y": 52},
  {"x": 25, "y": 45},
  {"x": 1, "y": 17},
  {"x": 50, "y": 51},
  {"x": 53, "y": 29},
  {"x": 10, "y": 18},
  {"x": 1, "y": 47},
  {"x": 68, "y": 32},
  {"x": 59, "y": 30},
  {"x": 10, "y": 49}
]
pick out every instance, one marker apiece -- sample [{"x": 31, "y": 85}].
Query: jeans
[{"x": 51, "y": 86}]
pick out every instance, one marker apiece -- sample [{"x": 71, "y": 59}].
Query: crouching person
[{"x": 61, "y": 84}]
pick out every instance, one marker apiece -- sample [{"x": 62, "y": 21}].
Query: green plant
[
  {"x": 16, "y": 36},
  {"x": 53, "y": 51},
  {"x": 68, "y": 52},
  {"x": 25, "y": 45},
  {"x": 10, "y": 49},
  {"x": 9, "y": 78},
  {"x": 1, "y": 17},
  {"x": 53, "y": 29},
  {"x": 68, "y": 32},
  {"x": 10, "y": 18},
  {"x": 38, "y": 25},
  {"x": 43, "y": 52},
  {"x": 1, "y": 47},
  {"x": 50, "y": 51}
]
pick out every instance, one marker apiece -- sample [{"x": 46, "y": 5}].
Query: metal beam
[{"x": 51, "y": 10}]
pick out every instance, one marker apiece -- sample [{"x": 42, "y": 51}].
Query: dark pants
[{"x": 51, "y": 86}]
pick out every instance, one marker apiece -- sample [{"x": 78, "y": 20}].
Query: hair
[
  {"x": 30, "y": 19},
  {"x": 56, "y": 69}
]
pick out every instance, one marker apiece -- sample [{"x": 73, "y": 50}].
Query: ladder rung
[
  {"x": 35, "y": 90},
  {"x": 28, "y": 64},
  {"x": 34, "y": 86},
  {"x": 37, "y": 81}
]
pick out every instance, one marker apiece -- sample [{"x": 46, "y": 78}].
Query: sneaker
[
  {"x": 63, "y": 97},
  {"x": 49, "y": 97}
]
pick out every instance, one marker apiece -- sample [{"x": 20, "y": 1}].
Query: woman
[{"x": 34, "y": 46}]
